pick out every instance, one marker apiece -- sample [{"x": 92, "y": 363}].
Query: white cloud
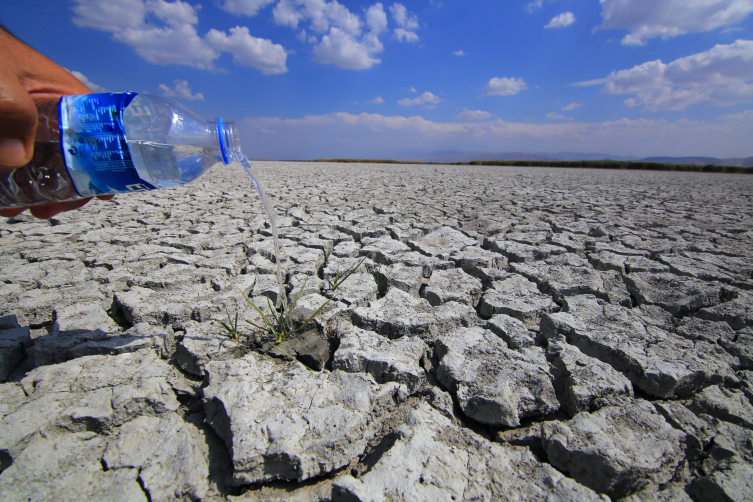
[
  {"x": 562, "y": 20},
  {"x": 337, "y": 15},
  {"x": 405, "y": 36},
  {"x": 719, "y": 76},
  {"x": 169, "y": 45},
  {"x": 459, "y": 53},
  {"x": 260, "y": 53},
  {"x": 165, "y": 33},
  {"x": 115, "y": 15},
  {"x": 572, "y": 106},
  {"x": 473, "y": 115},
  {"x": 403, "y": 18},
  {"x": 342, "y": 49},
  {"x": 109, "y": 16},
  {"x": 376, "y": 20},
  {"x": 534, "y": 6},
  {"x": 180, "y": 90},
  {"x": 407, "y": 23},
  {"x": 244, "y": 7},
  {"x": 426, "y": 98},
  {"x": 555, "y": 116},
  {"x": 88, "y": 83},
  {"x": 412, "y": 89},
  {"x": 378, "y": 136},
  {"x": 339, "y": 37},
  {"x": 747, "y": 115},
  {"x": 322, "y": 15},
  {"x": 376, "y": 101},
  {"x": 505, "y": 86},
  {"x": 647, "y": 19},
  {"x": 173, "y": 13},
  {"x": 287, "y": 14}
]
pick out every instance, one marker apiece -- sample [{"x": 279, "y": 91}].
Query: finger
[
  {"x": 49, "y": 210},
  {"x": 11, "y": 211},
  {"x": 26, "y": 77},
  {"x": 18, "y": 122}
]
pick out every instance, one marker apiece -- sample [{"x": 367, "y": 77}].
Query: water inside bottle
[
  {"x": 165, "y": 166},
  {"x": 273, "y": 223}
]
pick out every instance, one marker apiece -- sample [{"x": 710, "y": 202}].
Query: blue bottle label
[{"x": 94, "y": 144}]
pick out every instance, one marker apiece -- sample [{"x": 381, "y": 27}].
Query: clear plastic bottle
[{"x": 98, "y": 144}]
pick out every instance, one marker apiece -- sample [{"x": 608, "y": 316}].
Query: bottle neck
[{"x": 230, "y": 145}]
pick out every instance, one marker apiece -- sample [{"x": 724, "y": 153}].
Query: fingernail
[{"x": 12, "y": 152}]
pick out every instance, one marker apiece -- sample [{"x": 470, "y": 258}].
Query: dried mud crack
[{"x": 512, "y": 334}]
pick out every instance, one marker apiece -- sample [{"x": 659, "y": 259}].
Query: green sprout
[
  {"x": 340, "y": 278},
  {"x": 279, "y": 325},
  {"x": 231, "y": 328}
]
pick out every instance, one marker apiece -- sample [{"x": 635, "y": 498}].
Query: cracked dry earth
[{"x": 513, "y": 334}]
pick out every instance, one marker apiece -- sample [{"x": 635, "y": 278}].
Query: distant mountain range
[{"x": 458, "y": 156}]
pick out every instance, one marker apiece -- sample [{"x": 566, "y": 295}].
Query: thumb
[{"x": 18, "y": 122}]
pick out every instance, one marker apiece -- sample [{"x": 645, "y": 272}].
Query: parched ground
[{"x": 509, "y": 334}]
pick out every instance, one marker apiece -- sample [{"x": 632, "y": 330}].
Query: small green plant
[
  {"x": 278, "y": 324},
  {"x": 231, "y": 328},
  {"x": 340, "y": 278}
]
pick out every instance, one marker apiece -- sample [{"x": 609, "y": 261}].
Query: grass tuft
[
  {"x": 231, "y": 328},
  {"x": 340, "y": 278},
  {"x": 278, "y": 324}
]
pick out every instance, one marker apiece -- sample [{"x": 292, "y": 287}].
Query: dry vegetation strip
[{"x": 594, "y": 164}]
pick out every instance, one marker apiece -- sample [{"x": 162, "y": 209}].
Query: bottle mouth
[{"x": 230, "y": 146}]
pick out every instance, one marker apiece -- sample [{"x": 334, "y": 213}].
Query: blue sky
[{"x": 320, "y": 78}]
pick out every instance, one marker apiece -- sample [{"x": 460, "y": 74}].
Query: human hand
[{"x": 27, "y": 77}]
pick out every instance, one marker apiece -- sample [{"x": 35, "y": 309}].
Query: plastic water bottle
[{"x": 98, "y": 144}]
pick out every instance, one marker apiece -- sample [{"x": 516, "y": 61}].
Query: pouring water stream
[{"x": 273, "y": 223}]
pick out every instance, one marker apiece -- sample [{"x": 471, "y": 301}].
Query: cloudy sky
[{"x": 321, "y": 78}]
